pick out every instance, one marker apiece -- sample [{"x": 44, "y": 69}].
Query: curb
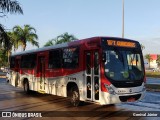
[{"x": 153, "y": 87}]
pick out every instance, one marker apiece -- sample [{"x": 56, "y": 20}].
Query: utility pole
[{"x": 122, "y": 18}]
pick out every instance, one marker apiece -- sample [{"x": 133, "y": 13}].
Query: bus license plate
[{"x": 131, "y": 100}]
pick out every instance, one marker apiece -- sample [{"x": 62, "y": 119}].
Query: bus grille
[{"x": 127, "y": 85}]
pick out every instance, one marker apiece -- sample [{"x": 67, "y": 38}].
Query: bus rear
[{"x": 122, "y": 76}]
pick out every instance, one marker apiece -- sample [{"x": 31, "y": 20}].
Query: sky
[{"x": 90, "y": 18}]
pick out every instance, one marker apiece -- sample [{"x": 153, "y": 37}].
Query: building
[{"x": 153, "y": 62}]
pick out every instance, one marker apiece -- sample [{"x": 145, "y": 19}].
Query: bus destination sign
[{"x": 121, "y": 43}]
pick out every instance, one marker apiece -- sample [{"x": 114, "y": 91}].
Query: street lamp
[{"x": 122, "y": 18}]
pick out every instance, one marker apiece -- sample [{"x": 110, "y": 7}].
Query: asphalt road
[{"x": 53, "y": 107}]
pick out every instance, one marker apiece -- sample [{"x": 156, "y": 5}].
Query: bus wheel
[
  {"x": 74, "y": 97},
  {"x": 26, "y": 86}
]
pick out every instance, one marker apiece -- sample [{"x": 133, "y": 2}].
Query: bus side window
[
  {"x": 70, "y": 57},
  {"x": 12, "y": 62},
  {"x": 55, "y": 59},
  {"x": 28, "y": 61}
]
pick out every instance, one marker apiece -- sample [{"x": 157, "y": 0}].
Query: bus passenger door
[
  {"x": 41, "y": 61},
  {"x": 17, "y": 69},
  {"x": 92, "y": 75}
]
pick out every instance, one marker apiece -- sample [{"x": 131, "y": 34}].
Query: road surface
[
  {"x": 153, "y": 81},
  {"x": 15, "y": 101}
]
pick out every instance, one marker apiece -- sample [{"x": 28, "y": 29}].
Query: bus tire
[
  {"x": 26, "y": 86},
  {"x": 75, "y": 97}
]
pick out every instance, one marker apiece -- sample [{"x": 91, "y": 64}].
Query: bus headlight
[{"x": 110, "y": 89}]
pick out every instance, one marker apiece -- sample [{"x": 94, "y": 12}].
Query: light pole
[{"x": 122, "y": 18}]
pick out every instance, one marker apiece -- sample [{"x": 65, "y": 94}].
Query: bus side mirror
[{"x": 104, "y": 57}]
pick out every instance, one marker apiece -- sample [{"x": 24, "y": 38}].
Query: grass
[{"x": 153, "y": 74}]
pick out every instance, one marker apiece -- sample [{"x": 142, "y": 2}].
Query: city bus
[{"x": 103, "y": 70}]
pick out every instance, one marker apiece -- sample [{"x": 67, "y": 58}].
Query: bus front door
[
  {"x": 92, "y": 75},
  {"x": 42, "y": 72}
]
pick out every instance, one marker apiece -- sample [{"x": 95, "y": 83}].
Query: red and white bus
[{"x": 104, "y": 70}]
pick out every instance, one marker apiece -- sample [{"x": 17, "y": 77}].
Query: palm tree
[
  {"x": 61, "y": 39},
  {"x": 13, "y": 40},
  {"x": 4, "y": 39},
  {"x": 3, "y": 57},
  {"x": 149, "y": 58},
  {"x": 64, "y": 38},
  {"x": 158, "y": 60},
  {"x": 26, "y": 34},
  {"x": 12, "y": 7},
  {"x": 49, "y": 43}
]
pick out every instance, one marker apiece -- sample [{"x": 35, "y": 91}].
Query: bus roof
[{"x": 72, "y": 43}]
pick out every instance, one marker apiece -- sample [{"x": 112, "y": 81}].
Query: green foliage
[
  {"x": 4, "y": 39},
  {"x": 24, "y": 35},
  {"x": 13, "y": 41},
  {"x": 3, "y": 58},
  {"x": 63, "y": 38},
  {"x": 49, "y": 43},
  {"x": 148, "y": 57},
  {"x": 158, "y": 60},
  {"x": 12, "y": 7}
]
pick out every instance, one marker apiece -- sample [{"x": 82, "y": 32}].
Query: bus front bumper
[{"x": 107, "y": 98}]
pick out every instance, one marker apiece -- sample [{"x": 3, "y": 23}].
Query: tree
[
  {"x": 26, "y": 34},
  {"x": 4, "y": 39},
  {"x": 64, "y": 38},
  {"x": 158, "y": 60},
  {"x": 13, "y": 41},
  {"x": 12, "y": 7},
  {"x": 61, "y": 39},
  {"x": 49, "y": 43},
  {"x": 3, "y": 58},
  {"x": 148, "y": 57}
]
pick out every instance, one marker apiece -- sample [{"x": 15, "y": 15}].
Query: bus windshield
[{"x": 123, "y": 65}]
